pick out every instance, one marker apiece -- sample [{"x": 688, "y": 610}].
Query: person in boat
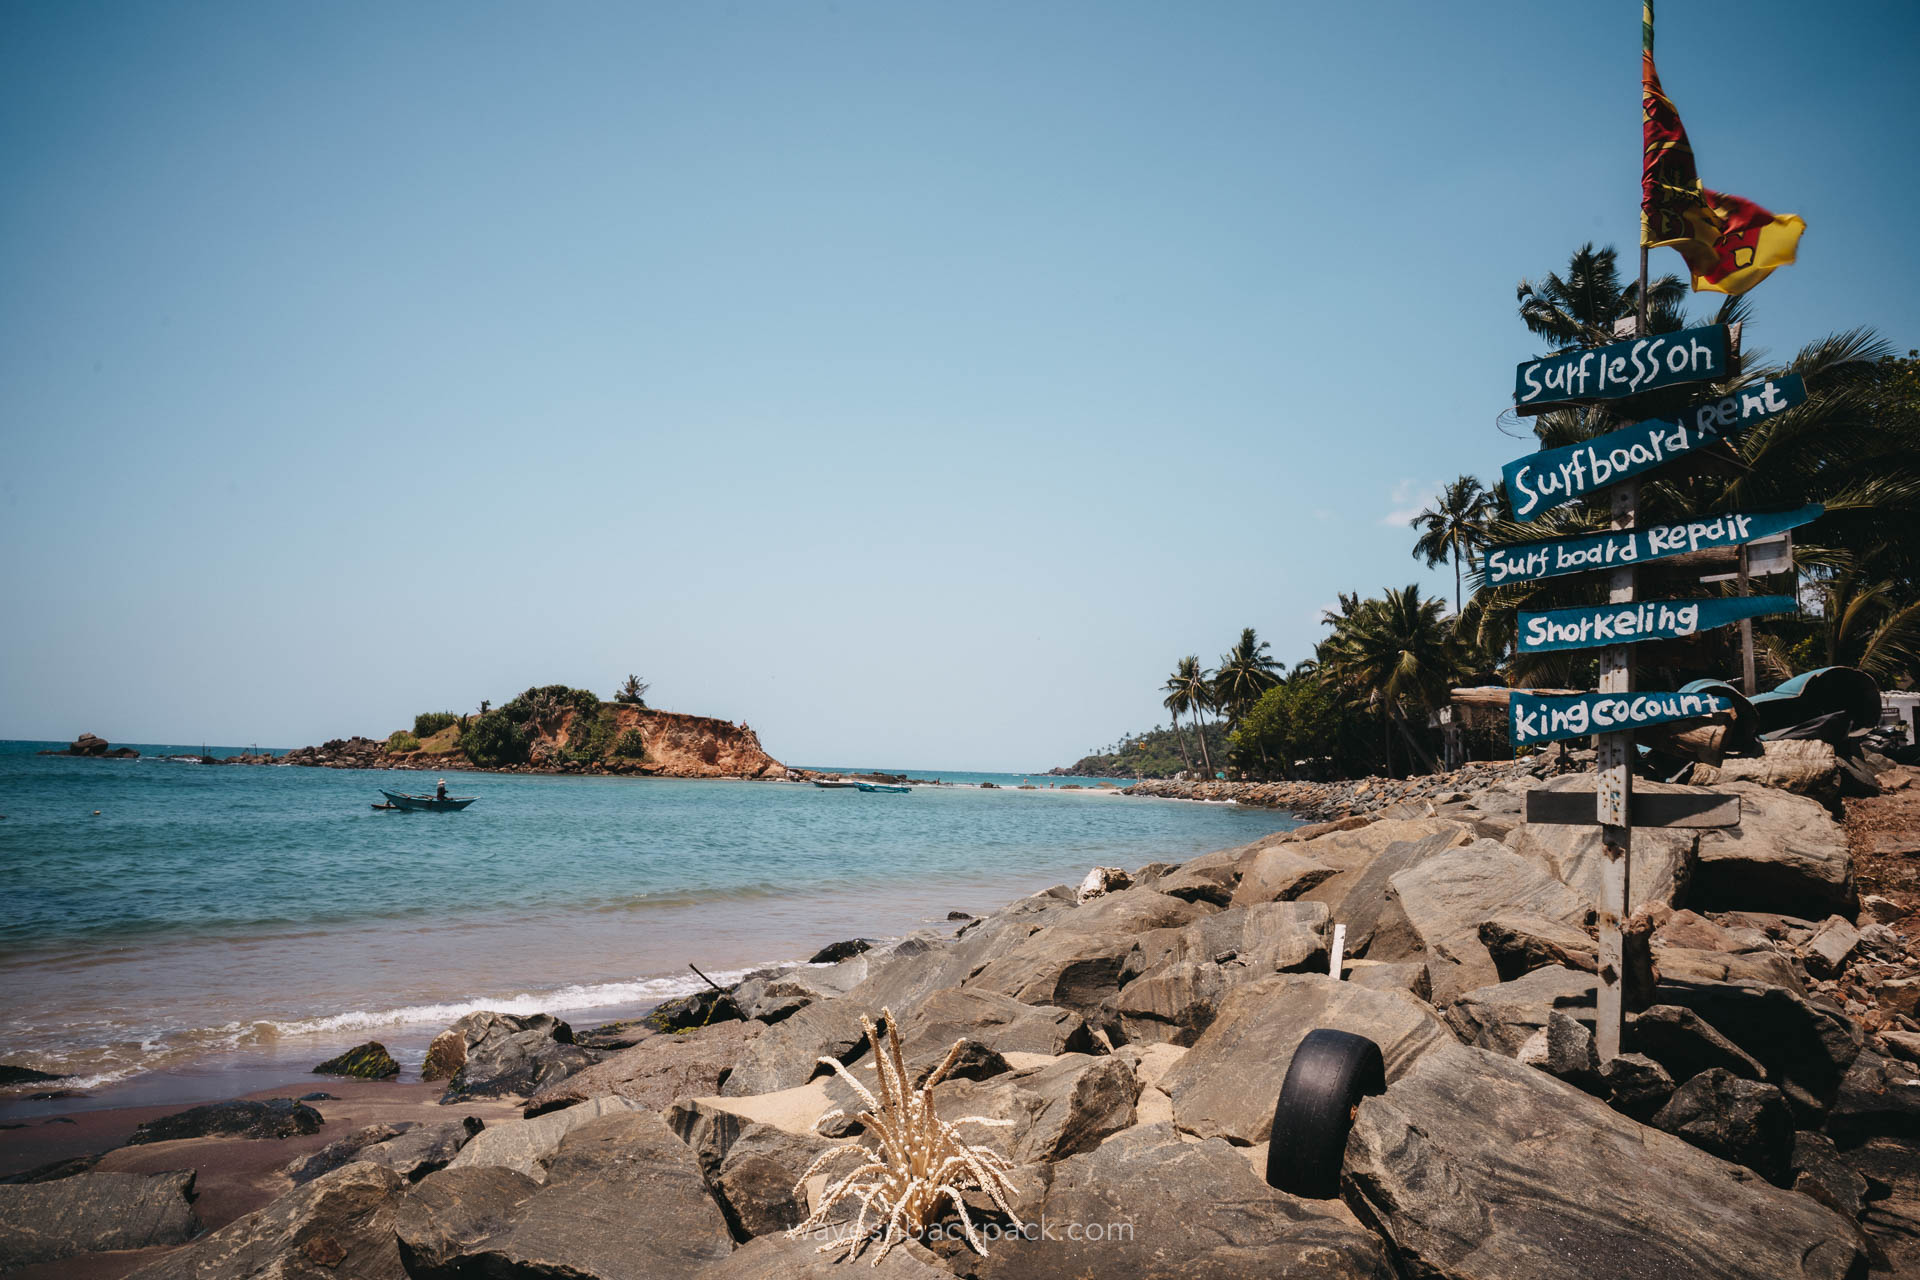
[{"x": 440, "y": 792}]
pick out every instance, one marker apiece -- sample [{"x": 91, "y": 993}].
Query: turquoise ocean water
[{"x": 170, "y": 928}]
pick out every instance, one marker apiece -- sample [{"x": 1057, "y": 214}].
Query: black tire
[{"x": 1331, "y": 1072}]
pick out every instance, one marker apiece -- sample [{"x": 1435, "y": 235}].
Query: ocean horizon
[{"x": 179, "y": 932}]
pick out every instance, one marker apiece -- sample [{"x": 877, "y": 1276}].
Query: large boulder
[
  {"x": 1227, "y": 1083},
  {"x": 1475, "y": 1167},
  {"x": 623, "y": 1198},
  {"x": 1148, "y": 1206},
  {"x": 1367, "y": 899},
  {"x": 1078, "y": 963},
  {"x": 504, "y": 1054},
  {"x": 424, "y": 1148},
  {"x": 1443, "y": 901},
  {"x": 1350, "y": 851},
  {"x": 89, "y": 1212},
  {"x": 1502, "y": 1018},
  {"x": 1686, "y": 1044},
  {"x": 1806, "y": 1045},
  {"x": 752, "y": 1168},
  {"x": 341, "y": 1151},
  {"x": 999, "y": 1022},
  {"x": 656, "y": 1072},
  {"x": 1744, "y": 1121},
  {"x": 788, "y": 1053},
  {"x": 1278, "y": 874},
  {"x": 1663, "y": 858},
  {"x": 337, "y": 1225},
  {"x": 453, "y": 1210},
  {"x": 526, "y": 1146},
  {"x": 1786, "y": 855},
  {"x": 1174, "y": 1003},
  {"x": 1520, "y": 943},
  {"x": 369, "y": 1061},
  {"x": 1804, "y": 766},
  {"x": 274, "y": 1118}
]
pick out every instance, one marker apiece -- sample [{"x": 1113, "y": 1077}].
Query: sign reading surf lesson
[
  {"x": 1539, "y": 482},
  {"x": 1533, "y": 719},
  {"x": 1592, "y": 626},
  {"x": 1528, "y": 561},
  {"x": 1621, "y": 369}
]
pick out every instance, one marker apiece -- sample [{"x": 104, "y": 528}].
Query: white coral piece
[{"x": 921, "y": 1162}]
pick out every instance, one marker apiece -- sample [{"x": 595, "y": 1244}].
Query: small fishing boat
[
  {"x": 882, "y": 786},
  {"x": 833, "y": 785},
  {"x": 429, "y": 804}
]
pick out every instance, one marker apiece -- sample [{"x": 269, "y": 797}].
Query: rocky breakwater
[
  {"x": 1319, "y": 801},
  {"x": 90, "y": 747},
  {"x": 1122, "y": 1048}
]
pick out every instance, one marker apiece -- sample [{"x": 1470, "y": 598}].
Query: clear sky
[{"x": 916, "y": 382}]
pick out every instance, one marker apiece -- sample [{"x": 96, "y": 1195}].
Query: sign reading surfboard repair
[
  {"x": 1590, "y": 626},
  {"x": 1539, "y": 482},
  {"x": 1621, "y": 369},
  {"x": 1525, "y": 562},
  {"x": 1532, "y": 719}
]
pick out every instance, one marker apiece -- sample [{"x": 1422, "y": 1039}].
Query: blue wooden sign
[
  {"x": 1539, "y": 482},
  {"x": 1534, "y": 719},
  {"x": 1621, "y": 368},
  {"x": 1591, "y": 626},
  {"x": 1528, "y": 561}
]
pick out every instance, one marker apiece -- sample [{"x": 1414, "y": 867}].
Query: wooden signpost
[{"x": 1611, "y": 463}]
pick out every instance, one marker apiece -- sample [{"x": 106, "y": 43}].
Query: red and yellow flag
[{"x": 1730, "y": 244}]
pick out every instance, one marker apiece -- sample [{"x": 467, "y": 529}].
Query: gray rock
[
  {"x": 1475, "y": 1167},
  {"x": 505, "y": 1054},
  {"x": 657, "y": 1071},
  {"x": 1174, "y": 1003},
  {"x": 1077, "y": 964},
  {"x": 1820, "y": 1171},
  {"x": 340, "y": 1224},
  {"x": 1279, "y": 874},
  {"x": 1881, "y": 910},
  {"x": 1744, "y": 1121},
  {"x": 786, "y": 1055},
  {"x": 454, "y": 1209},
  {"x": 751, "y": 1168},
  {"x": 1805, "y": 1044},
  {"x": 1877, "y": 1098},
  {"x": 988, "y": 1018},
  {"x": 1663, "y": 860},
  {"x": 1687, "y": 1044},
  {"x": 1383, "y": 975},
  {"x": 1210, "y": 878},
  {"x": 1152, "y": 1207},
  {"x": 422, "y": 1149},
  {"x": 1364, "y": 900},
  {"x": 1828, "y": 951},
  {"x": 1565, "y": 1049},
  {"x": 1266, "y": 938},
  {"x": 623, "y": 1198},
  {"x": 342, "y": 1151},
  {"x": 1787, "y": 854},
  {"x": 526, "y": 1146},
  {"x": 1352, "y": 850},
  {"x": 1521, "y": 943},
  {"x": 1226, "y": 1085},
  {"x": 1504, "y": 1017},
  {"x": 1636, "y": 1085},
  {"x": 1444, "y": 900},
  {"x": 777, "y": 1258},
  {"x": 274, "y": 1118},
  {"x": 89, "y": 1212}
]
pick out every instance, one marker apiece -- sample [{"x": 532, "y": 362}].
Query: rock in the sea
[
  {"x": 623, "y": 1198},
  {"x": 657, "y": 1071},
  {"x": 339, "y": 1225},
  {"x": 369, "y": 1061},
  {"x": 1146, "y": 1205},
  {"x": 90, "y": 1212},
  {"x": 1744, "y": 1121},
  {"x": 274, "y": 1118},
  {"x": 12, "y": 1075},
  {"x": 504, "y": 1053},
  {"x": 1475, "y": 1167},
  {"x": 836, "y": 951},
  {"x": 1228, "y": 1082},
  {"x": 1787, "y": 854},
  {"x": 701, "y": 1009}
]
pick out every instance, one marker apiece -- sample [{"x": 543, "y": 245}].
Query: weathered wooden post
[{"x": 1614, "y": 805}]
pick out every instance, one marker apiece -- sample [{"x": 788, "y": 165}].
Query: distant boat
[
  {"x": 820, "y": 782},
  {"x": 881, "y": 786},
  {"x": 430, "y": 804}
]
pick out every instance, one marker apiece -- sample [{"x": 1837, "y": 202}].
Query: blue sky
[{"x": 914, "y": 382}]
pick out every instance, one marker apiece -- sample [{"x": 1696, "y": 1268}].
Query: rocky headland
[
  {"x": 1128, "y": 1039},
  {"x": 96, "y": 748}
]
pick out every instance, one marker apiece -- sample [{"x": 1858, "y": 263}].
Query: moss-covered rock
[{"x": 369, "y": 1061}]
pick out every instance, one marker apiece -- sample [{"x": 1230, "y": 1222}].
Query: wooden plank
[
  {"x": 1622, "y": 623},
  {"x": 1705, "y": 809},
  {"x": 1531, "y": 561},
  {"x": 1541, "y": 481},
  {"x": 1621, "y": 368}
]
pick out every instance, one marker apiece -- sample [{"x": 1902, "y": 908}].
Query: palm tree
[
  {"x": 633, "y": 692},
  {"x": 1396, "y": 653},
  {"x": 1862, "y": 624},
  {"x": 1246, "y": 672},
  {"x": 1177, "y": 701},
  {"x": 1196, "y": 697},
  {"x": 1454, "y": 527},
  {"x": 1581, "y": 308}
]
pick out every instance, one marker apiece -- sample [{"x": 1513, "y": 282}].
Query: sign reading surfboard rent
[
  {"x": 1533, "y": 719},
  {"x": 1621, "y": 368},
  {"x": 1528, "y": 561},
  {"x": 1539, "y": 482},
  {"x": 1589, "y": 627}
]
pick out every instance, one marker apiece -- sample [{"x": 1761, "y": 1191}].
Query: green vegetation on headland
[
  {"x": 1365, "y": 701},
  {"x": 1158, "y": 753}
]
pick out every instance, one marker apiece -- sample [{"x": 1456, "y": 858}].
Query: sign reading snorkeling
[
  {"x": 1621, "y": 369},
  {"x": 1590, "y": 627},
  {"x": 1542, "y": 481},
  {"x": 1527, "y": 561}
]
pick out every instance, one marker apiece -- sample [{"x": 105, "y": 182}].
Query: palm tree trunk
[
  {"x": 1205, "y": 755},
  {"x": 1456, "y": 582},
  {"x": 1414, "y": 748},
  {"x": 1181, "y": 738},
  {"x": 1386, "y": 740}
]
